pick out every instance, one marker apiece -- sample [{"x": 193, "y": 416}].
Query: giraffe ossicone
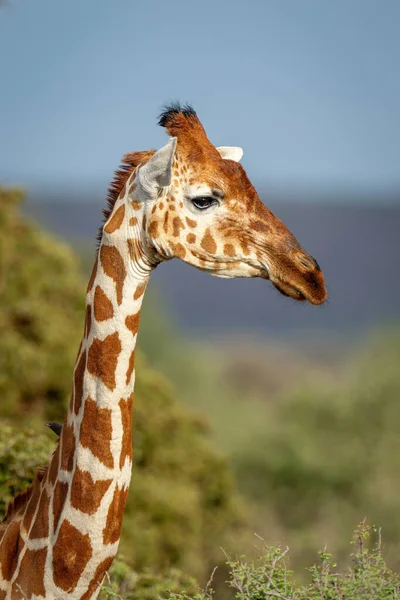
[
  {"x": 188, "y": 200},
  {"x": 231, "y": 152}
]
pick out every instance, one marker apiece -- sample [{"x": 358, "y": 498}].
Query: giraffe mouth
[
  {"x": 289, "y": 290},
  {"x": 284, "y": 287}
]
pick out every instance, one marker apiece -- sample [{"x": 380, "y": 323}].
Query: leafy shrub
[
  {"x": 269, "y": 577},
  {"x": 41, "y": 315},
  {"x": 124, "y": 583},
  {"x": 21, "y": 452},
  {"x": 320, "y": 458}
]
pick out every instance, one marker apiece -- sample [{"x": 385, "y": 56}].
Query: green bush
[
  {"x": 122, "y": 582},
  {"x": 41, "y": 315},
  {"x": 21, "y": 452},
  {"x": 325, "y": 455},
  {"x": 269, "y": 577}
]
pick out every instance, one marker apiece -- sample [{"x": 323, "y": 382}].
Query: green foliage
[
  {"x": 269, "y": 576},
  {"x": 314, "y": 445},
  {"x": 327, "y": 455},
  {"x": 122, "y": 582},
  {"x": 182, "y": 505},
  {"x": 21, "y": 452},
  {"x": 41, "y": 315}
]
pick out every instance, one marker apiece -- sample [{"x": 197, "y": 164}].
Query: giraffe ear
[
  {"x": 231, "y": 152},
  {"x": 158, "y": 171}
]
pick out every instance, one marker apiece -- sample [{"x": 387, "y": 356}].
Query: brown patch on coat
[
  {"x": 130, "y": 368},
  {"x": 116, "y": 220},
  {"x": 125, "y": 406},
  {"x": 259, "y": 226},
  {"x": 135, "y": 248},
  {"x": 153, "y": 229},
  {"x": 88, "y": 320},
  {"x": 71, "y": 553},
  {"x": 179, "y": 251},
  {"x": 98, "y": 577},
  {"x": 11, "y": 546},
  {"x": 136, "y": 205},
  {"x": 165, "y": 225},
  {"x": 31, "y": 505},
  {"x": 97, "y": 420},
  {"x": 190, "y": 222},
  {"x": 3, "y": 595},
  {"x": 59, "y": 497},
  {"x": 140, "y": 290},
  {"x": 86, "y": 494},
  {"x": 103, "y": 358},
  {"x": 53, "y": 470},
  {"x": 245, "y": 247},
  {"x": 133, "y": 221},
  {"x": 123, "y": 191},
  {"x": 177, "y": 226},
  {"x": 112, "y": 530},
  {"x": 79, "y": 375},
  {"x": 40, "y": 526},
  {"x": 113, "y": 266},
  {"x": 67, "y": 448},
  {"x": 191, "y": 238},
  {"x": 93, "y": 276},
  {"x": 208, "y": 243},
  {"x": 103, "y": 308},
  {"x": 229, "y": 250},
  {"x": 132, "y": 322},
  {"x": 30, "y": 581}
]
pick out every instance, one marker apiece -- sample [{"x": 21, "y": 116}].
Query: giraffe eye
[{"x": 203, "y": 202}]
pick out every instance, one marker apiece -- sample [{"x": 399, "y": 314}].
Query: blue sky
[{"x": 309, "y": 88}]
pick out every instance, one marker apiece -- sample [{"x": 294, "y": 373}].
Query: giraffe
[{"x": 188, "y": 200}]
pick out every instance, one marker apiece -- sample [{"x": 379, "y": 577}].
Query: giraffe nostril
[{"x": 308, "y": 262}]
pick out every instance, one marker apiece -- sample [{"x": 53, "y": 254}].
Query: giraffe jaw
[
  {"x": 313, "y": 296},
  {"x": 290, "y": 291}
]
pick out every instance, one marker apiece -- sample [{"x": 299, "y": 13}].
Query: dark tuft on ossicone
[{"x": 170, "y": 110}]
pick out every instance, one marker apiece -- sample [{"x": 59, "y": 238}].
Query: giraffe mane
[
  {"x": 129, "y": 162},
  {"x": 173, "y": 110},
  {"x": 21, "y": 500}
]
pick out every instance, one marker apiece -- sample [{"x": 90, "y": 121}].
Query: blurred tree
[
  {"x": 327, "y": 454},
  {"x": 41, "y": 315}
]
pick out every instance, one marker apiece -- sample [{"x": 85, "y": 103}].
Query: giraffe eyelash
[{"x": 203, "y": 202}]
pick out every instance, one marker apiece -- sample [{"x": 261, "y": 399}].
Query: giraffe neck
[
  {"x": 99, "y": 422},
  {"x": 71, "y": 526}
]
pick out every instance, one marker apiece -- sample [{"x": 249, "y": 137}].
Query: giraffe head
[{"x": 200, "y": 206}]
